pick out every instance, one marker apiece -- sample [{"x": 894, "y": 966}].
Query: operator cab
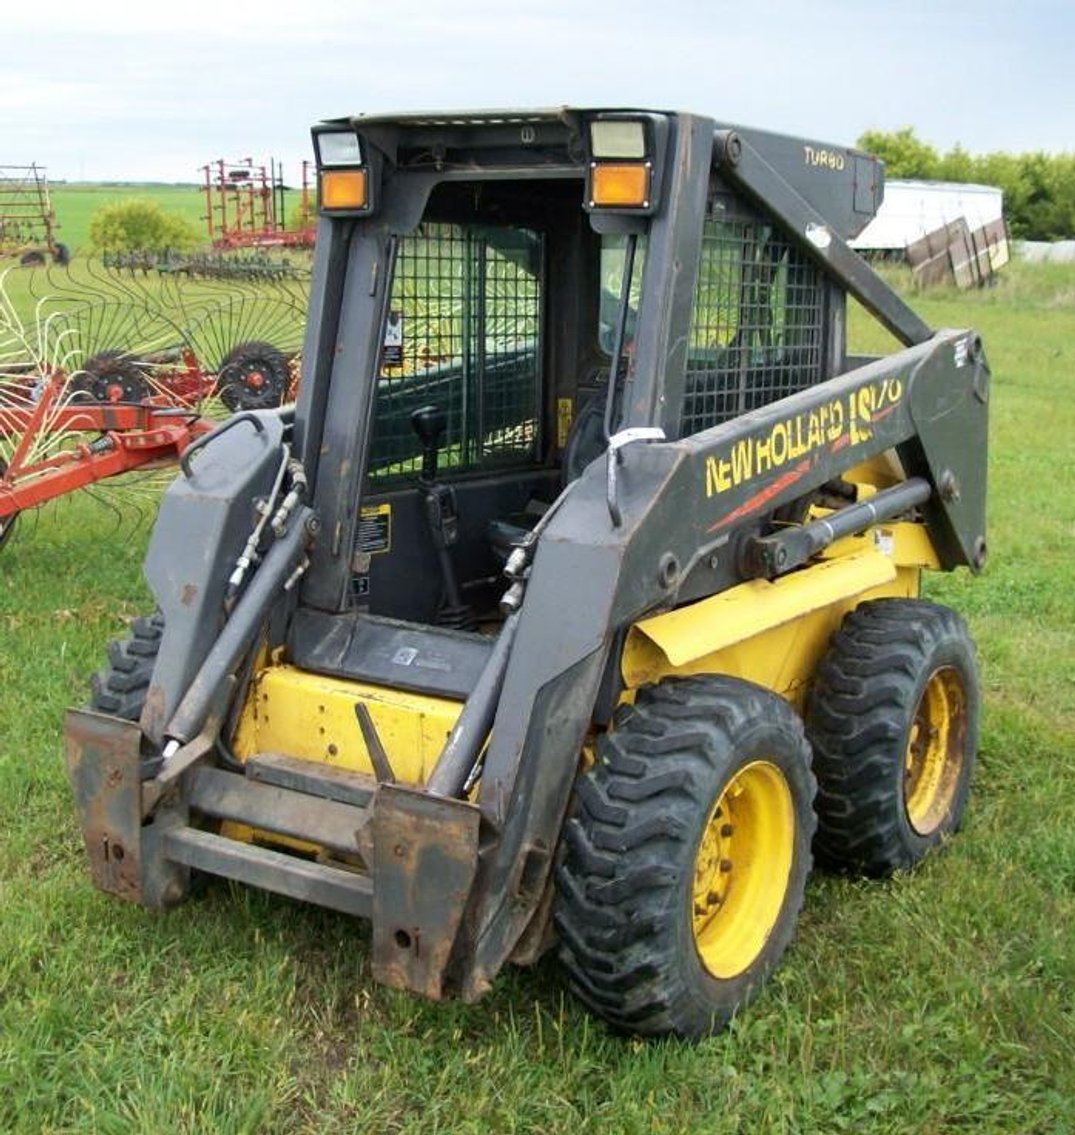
[
  {"x": 492, "y": 363},
  {"x": 526, "y": 261}
]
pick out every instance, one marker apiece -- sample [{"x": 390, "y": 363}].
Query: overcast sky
[{"x": 108, "y": 89}]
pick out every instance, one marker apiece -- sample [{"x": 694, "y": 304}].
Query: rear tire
[
  {"x": 893, "y": 721},
  {"x": 120, "y": 689},
  {"x": 686, "y": 856}
]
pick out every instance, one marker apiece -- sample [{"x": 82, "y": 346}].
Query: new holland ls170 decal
[{"x": 791, "y": 446}]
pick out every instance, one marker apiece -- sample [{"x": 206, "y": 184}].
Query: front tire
[
  {"x": 7, "y": 527},
  {"x": 120, "y": 689},
  {"x": 686, "y": 856},
  {"x": 893, "y": 721}
]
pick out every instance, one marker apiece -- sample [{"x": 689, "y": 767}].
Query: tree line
[{"x": 1039, "y": 188}]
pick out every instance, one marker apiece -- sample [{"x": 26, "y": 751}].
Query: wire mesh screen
[
  {"x": 463, "y": 333},
  {"x": 758, "y": 326}
]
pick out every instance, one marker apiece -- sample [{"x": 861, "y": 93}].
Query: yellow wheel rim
[
  {"x": 742, "y": 868},
  {"x": 935, "y": 750}
]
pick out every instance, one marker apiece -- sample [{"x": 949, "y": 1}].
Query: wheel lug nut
[
  {"x": 725, "y": 865},
  {"x": 727, "y": 830}
]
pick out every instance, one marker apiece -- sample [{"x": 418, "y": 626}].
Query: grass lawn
[{"x": 934, "y": 1002}]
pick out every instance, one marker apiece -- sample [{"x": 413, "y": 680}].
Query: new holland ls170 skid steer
[{"x": 576, "y": 601}]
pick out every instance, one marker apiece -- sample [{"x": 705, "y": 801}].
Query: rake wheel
[
  {"x": 253, "y": 376},
  {"x": 112, "y": 376}
]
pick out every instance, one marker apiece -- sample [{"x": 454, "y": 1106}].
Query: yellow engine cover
[
  {"x": 775, "y": 634},
  {"x": 312, "y": 717}
]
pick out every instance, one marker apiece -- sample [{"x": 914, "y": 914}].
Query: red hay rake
[
  {"x": 107, "y": 371},
  {"x": 90, "y": 443}
]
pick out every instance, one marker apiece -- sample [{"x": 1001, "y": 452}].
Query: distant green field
[{"x": 75, "y": 203}]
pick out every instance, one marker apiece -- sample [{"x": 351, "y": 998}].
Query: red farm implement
[
  {"x": 58, "y": 443},
  {"x": 27, "y": 222},
  {"x": 245, "y": 206},
  {"x": 106, "y": 371}
]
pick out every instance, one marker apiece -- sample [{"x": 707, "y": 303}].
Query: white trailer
[
  {"x": 941, "y": 227},
  {"x": 914, "y": 209}
]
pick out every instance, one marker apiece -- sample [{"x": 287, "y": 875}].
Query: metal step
[
  {"x": 313, "y": 778},
  {"x": 274, "y": 871},
  {"x": 300, "y": 815}
]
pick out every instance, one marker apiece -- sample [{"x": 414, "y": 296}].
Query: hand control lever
[{"x": 430, "y": 423}]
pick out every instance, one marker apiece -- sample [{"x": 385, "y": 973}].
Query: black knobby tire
[
  {"x": 7, "y": 523},
  {"x": 640, "y": 942},
  {"x": 893, "y": 721},
  {"x": 120, "y": 689},
  {"x": 253, "y": 376},
  {"x": 111, "y": 376},
  {"x": 32, "y": 259}
]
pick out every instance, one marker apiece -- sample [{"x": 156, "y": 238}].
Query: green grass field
[
  {"x": 75, "y": 203},
  {"x": 942, "y": 1001}
]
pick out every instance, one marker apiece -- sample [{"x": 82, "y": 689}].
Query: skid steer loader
[{"x": 576, "y": 601}]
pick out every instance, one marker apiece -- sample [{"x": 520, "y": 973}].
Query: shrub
[
  {"x": 902, "y": 152},
  {"x": 136, "y": 225}
]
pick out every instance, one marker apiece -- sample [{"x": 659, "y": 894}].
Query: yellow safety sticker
[
  {"x": 374, "y": 529},
  {"x": 565, "y": 413}
]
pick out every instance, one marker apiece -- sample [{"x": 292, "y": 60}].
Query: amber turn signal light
[
  {"x": 343, "y": 189},
  {"x": 619, "y": 184}
]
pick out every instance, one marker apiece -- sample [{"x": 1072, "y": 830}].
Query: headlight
[
  {"x": 625, "y": 158},
  {"x": 344, "y": 182},
  {"x": 338, "y": 148}
]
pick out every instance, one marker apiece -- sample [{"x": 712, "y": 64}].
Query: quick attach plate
[
  {"x": 104, "y": 766},
  {"x": 425, "y": 855}
]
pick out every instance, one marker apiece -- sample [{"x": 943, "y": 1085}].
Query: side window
[
  {"x": 757, "y": 331},
  {"x": 613, "y": 260},
  {"x": 463, "y": 332}
]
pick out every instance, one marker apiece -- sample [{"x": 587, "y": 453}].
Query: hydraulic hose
[{"x": 238, "y": 633}]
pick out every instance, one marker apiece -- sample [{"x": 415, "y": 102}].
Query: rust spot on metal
[
  {"x": 103, "y": 764},
  {"x": 425, "y": 856}
]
